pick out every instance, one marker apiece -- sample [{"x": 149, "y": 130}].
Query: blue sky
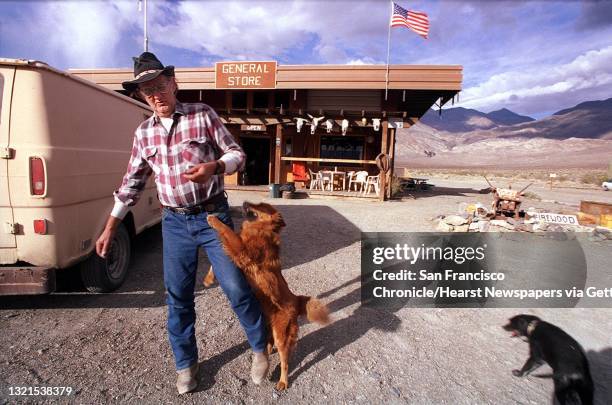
[{"x": 531, "y": 57}]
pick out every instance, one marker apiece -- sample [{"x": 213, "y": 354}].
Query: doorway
[{"x": 257, "y": 166}]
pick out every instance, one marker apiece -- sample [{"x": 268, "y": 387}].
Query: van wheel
[{"x": 105, "y": 275}]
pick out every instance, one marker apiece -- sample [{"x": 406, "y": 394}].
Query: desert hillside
[{"x": 579, "y": 137}]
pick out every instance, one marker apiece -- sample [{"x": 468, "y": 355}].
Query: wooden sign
[
  {"x": 252, "y": 127},
  {"x": 552, "y": 218},
  {"x": 245, "y": 75}
]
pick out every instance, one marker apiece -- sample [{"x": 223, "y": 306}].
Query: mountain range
[
  {"x": 465, "y": 119},
  {"x": 580, "y": 136}
]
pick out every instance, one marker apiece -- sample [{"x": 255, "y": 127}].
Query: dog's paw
[
  {"x": 213, "y": 221},
  {"x": 517, "y": 373},
  {"x": 281, "y": 385}
]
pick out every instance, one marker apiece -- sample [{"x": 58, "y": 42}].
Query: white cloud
[
  {"x": 71, "y": 33},
  {"x": 502, "y": 67},
  {"x": 268, "y": 30},
  {"x": 560, "y": 85},
  {"x": 365, "y": 61}
]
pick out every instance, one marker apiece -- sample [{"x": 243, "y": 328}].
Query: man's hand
[
  {"x": 103, "y": 243},
  {"x": 201, "y": 173}
]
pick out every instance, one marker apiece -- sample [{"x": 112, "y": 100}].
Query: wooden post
[
  {"x": 383, "y": 149},
  {"x": 228, "y": 101},
  {"x": 278, "y": 153},
  {"x": 249, "y": 105},
  {"x": 391, "y": 162}
]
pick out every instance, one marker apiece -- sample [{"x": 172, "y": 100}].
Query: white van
[{"x": 64, "y": 147}]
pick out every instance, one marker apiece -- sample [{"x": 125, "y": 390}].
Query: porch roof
[{"x": 401, "y": 77}]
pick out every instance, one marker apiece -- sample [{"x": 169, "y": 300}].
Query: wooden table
[
  {"x": 332, "y": 175},
  {"x": 414, "y": 183}
]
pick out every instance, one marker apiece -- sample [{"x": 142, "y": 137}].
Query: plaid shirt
[{"x": 197, "y": 136}]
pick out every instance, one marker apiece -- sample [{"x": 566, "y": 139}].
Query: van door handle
[{"x": 7, "y": 153}]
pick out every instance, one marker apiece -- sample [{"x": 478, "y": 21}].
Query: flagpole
[
  {"x": 146, "y": 36},
  {"x": 388, "y": 48}
]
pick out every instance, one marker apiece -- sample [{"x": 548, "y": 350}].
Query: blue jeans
[{"x": 182, "y": 236}]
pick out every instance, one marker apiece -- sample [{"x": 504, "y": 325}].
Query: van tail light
[
  {"x": 40, "y": 226},
  {"x": 37, "y": 176}
]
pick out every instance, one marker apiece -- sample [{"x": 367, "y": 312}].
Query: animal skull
[
  {"x": 300, "y": 123},
  {"x": 345, "y": 125},
  {"x": 329, "y": 125},
  {"x": 376, "y": 123},
  {"x": 314, "y": 123}
]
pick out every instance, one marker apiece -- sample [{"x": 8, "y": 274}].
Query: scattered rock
[
  {"x": 524, "y": 228},
  {"x": 462, "y": 228},
  {"x": 484, "y": 226},
  {"x": 455, "y": 220},
  {"x": 437, "y": 218},
  {"x": 540, "y": 227},
  {"x": 555, "y": 228},
  {"x": 444, "y": 227},
  {"x": 502, "y": 224},
  {"x": 513, "y": 221},
  {"x": 579, "y": 228},
  {"x": 603, "y": 232}
]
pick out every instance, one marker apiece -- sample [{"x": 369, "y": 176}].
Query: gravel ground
[{"x": 113, "y": 347}]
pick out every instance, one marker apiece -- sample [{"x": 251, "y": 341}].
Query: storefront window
[
  {"x": 239, "y": 100},
  {"x": 282, "y": 97},
  {"x": 335, "y": 147},
  {"x": 260, "y": 99}
]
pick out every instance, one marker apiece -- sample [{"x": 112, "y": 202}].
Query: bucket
[{"x": 275, "y": 190}]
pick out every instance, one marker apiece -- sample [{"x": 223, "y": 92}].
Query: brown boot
[
  {"x": 186, "y": 380},
  {"x": 259, "y": 367}
]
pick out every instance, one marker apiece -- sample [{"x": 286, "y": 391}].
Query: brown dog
[{"x": 256, "y": 251}]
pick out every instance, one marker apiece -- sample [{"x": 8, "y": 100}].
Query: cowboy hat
[{"x": 146, "y": 67}]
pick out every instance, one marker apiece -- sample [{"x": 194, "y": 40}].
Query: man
[{"x": 189, "y": 150}]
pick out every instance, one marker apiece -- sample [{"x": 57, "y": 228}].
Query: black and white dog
[{"x": 550, "y": 344}]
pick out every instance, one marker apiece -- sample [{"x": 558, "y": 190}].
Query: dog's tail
[{"x": 314, "y": 310}]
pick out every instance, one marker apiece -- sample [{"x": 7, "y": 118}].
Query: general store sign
[{"x": 245, "y": 75}]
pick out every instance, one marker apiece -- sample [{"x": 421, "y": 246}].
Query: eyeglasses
[{"x": 151, "y": 90}]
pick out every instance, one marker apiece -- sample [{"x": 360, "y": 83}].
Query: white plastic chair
[
  {"x": 349, "y": 176},
  {"x": 327, "y": 179},
  {"x": 372, "y": 183},
  {"x": 359, "y": 179},
  {"x": 316, "y": 182}
]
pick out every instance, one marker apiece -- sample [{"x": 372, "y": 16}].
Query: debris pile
[
  {"x": 477, "y": 218},
  {"x": 505, "y": 215}
]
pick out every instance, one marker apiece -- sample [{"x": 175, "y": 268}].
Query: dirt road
[
  {"x": 565, "y": 195},
  {"x": 113, "y": 347}
]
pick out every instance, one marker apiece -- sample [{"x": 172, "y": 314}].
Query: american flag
[{"x": 415, "y": 20}]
